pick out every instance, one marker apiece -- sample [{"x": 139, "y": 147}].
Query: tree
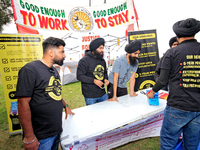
[{"x": 6, "y": 14}]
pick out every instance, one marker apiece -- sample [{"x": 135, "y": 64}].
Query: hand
[
  {"x": 133, "y": 94},
  {"x": 151, "y": 94},
  {"x": 98, "y": 83},
  {"x": 31, "y": 146},
  {"x": 107, "y": 82},
  {"x": 113, "y": 99},
  {"x": 68, "y": 111}
]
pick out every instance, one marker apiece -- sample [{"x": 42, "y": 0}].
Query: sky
[{"x": 153, "y": 14}]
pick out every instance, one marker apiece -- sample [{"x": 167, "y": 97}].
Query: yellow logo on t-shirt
[
  {"x": 54, "y": 89},
  {"x": 99, "y": 72}
]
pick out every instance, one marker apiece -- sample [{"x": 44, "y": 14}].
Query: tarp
[
  {"x": 67, "y": 71},
  {"x": 93, "y": 128}
]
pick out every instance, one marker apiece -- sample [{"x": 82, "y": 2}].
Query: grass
[
  {"x": 72, "y": 95},
  {"x": 7, "y": 142}
]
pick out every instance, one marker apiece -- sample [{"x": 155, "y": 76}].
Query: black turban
[
  {"x": 172, "y": 40},
  {"x": 133, "y": 46},
  {"x": 186, "y": 28},
  {"x": 96, "y": 43}
]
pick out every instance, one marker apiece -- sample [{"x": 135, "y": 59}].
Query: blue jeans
[
  {"x": 50, "y": 143},
  {"x": 175, "y": 122},
  {"x": 90, "y": 101}
]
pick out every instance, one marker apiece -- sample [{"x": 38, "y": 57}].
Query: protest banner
[
  {"x": 38, "y": 14},
  {"x": 148, "y": 127},
  {"x": 85, "y": 40},
  {"x": 16, "y": 51},
  {"x": 148, "y": 58}
]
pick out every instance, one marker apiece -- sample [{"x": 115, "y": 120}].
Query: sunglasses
[{"x": 54, "y": 73}]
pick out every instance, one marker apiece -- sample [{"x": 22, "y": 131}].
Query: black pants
[{"x": 120, "y": 91}]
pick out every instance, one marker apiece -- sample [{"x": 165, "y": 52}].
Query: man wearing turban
[
  {"x": 181, "y": 66},
  {"x": 92, "y": 73},
  {"x": 123, "y": 70}
]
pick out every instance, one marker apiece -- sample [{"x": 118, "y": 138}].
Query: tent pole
[{"x": 109, "y": 57}]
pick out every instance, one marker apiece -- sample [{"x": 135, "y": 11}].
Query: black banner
[{"x": 148, "y": 58}]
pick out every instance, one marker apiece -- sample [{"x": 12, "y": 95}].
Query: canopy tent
[{"x": 67, "y": 72}]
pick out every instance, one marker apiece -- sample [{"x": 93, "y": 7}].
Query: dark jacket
[
  {"x": 90, "y": 68},
  {"x": 183, "y": 63},
  {"x": 157, "y": 74}
]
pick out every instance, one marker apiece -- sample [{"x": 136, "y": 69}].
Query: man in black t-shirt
[
  {"x": 40, "y": 102},
  {"x": 172, "y": 43},
  {"x": 181, "y": 65},
  {"x": 92, "y": 73}
]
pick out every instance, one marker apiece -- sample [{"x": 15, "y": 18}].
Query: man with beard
[
  {"x": 40, "y": 102},
  {"x": 92, "y": 73},
  {"x": 180, "y": 66},
  {"x": 123, "y": 70}
]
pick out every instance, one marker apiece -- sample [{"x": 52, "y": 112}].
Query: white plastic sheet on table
[{"x": 99, "y": 118}]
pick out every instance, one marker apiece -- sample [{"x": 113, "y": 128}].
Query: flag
[
  {"x": 136, "y": 15},
  {"x": 131, "y": 26},
  {"x": 25, "y": 30},
  {"x": 21, "y": 29}
]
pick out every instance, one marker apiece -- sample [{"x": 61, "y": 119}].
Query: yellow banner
[{"x": 15, "y": 51}]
